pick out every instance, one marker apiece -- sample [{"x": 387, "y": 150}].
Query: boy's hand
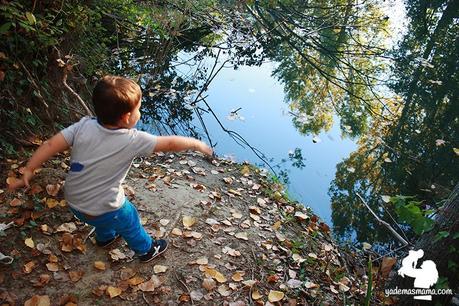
[
  {"x": 203, "y": 148},
  {"x": 23, "y": 181}
]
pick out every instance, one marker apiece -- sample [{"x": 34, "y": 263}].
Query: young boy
[{"x": 102, "y": 152}]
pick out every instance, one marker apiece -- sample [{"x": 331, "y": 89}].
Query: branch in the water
[{"x": 387, "y": 225}]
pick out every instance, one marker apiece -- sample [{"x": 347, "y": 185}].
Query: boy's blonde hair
[{"x": 113, "y": 97}]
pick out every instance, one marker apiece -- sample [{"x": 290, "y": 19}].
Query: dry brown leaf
[
  {"x": 69, "y": 227},
  {"x": 28, "y": 267},
  {"x": 242, "y": 235},
  {"x": 38, "y": 300},
  {"x": 255, "y": 210},
  {"x": 176, "y": 231},
  {"x": 135, "y": 281},
  {"x": 15, "y": 202},
  {"x": 202, "y": 261},
  {"x": 275, "y": 296},
  {"x": 276, "y": 225},
  {"x": 52, "y": 266},
  {"x": 53, "y": 190},
  {"x": 113, "y": 291},
  {"x": 159, "y": 269},
  {"x": 75, "y": 275},
  {"x": 224, "y": 290},
  {"x": 215, "y": 275},
  {"x": 126, "y": 273},
  {"x": 100, "y": 265},
  {"x": 237, "y": 277},
  {"x": 256, "y": 295},
  {"x": 188, "y": 221},
  {"x": 42, "y": 280},
  {"x": 209, "y": 284},
  {"x": 35, "y": 189},
  {"x": 386, "y": 265}
]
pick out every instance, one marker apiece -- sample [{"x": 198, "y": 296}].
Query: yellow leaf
[
  {"x": 276, "y": 225},
  {"x": 51, "y": 203},
  {"x": 245, "y": 170},
  {"x": 135, "y": 281},
  {"x": 188, "y": 221},
  {"x": 215, "y": 274},
  {"x": 237, "y": 277},
  {"x": 256, "y": 295},
  {"x": 113, "y": 291},
  {"x": 29, "y": 242},
  {"x": 99, "y": 265},
  {"x": 275, "y": 296},
  {"x": 31, "y": 18}
]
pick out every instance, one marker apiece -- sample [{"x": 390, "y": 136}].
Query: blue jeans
[{"x": 126, "y": 222}]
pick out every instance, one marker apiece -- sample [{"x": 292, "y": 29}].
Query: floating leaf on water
[
  {"x": 366, "y": 246},
  {"x": 385, "y": 198}
]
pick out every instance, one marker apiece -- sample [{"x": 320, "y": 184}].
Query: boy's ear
[{"x": 125, "y": 117}]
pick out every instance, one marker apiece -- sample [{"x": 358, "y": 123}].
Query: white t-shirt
[{"x": 100, "y": 161}]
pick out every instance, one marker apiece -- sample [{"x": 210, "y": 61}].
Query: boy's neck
[{"x": 110, "y": 126}]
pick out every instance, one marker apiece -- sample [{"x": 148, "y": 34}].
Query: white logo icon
[{"x": 425, "y": 277}]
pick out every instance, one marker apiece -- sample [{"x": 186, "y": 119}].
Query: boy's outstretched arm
[
  {"x": 180, "y": 143},
  {"x": 48, "y": 149}
]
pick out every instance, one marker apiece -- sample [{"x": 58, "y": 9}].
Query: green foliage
[{"x": 409, "y": 211}]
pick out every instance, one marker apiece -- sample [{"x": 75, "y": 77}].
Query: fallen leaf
[
  {"x": 215, "y": 275},
  {"x": 366, "y": 246},
  {"x": 276, "y": 225},
  {"x": 15, "y": 202},
  {"x": 209, "y": 284},
  {"x": 136, "y": 280},
  {"x": 310, "y": 285},
  {"x": 256, "y": 295},
  {"x": 294, "y": 283},
  {"x": 301, "y": 215},
  {"x": 188, "y": 221},
  {"x": 224, "y": 290},
  {"x": 456, "y": 151},
  {"x": 69, "y": 227},
  {"x": 275, "y": 296},
  {"x": 249, "y": 283},
  {"x": 52, "y": 266},
  {"x": 164, "y": 222},
  {"x": 100, "y": 265},
  {"x": 53, "y": 190},
  {"x": 51, "y": 203},
  {"x": 159, "y": 269},
  {"x": 241, "y": 235},
  {"x": 38, "y": 300},
  {"x": 176, "y": 231},
  {"x": 116, "y": 255},
  {"x": 29, "y": 242},
  {"x": 196, "y": 295},
  {"x": 385, "y": 198},
  {"x": 237, "y": 277},
  {"x": 75, "y": 275},
  {"x": 113, "y": 291},
  {"x": 202, "y": 261},
  {"x": 386, "y": 266},
  {"x": 28, "y": 267}
]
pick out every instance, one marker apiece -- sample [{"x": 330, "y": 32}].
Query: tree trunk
[{"x": 443, "y": 252}]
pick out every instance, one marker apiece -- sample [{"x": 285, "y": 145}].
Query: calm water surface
[{"x": 268, "y": 127}]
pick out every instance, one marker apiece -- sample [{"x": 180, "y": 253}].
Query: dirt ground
[{"x": 234, "y": 239}]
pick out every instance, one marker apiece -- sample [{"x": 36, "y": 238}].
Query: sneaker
[
  {"x": 157, "y": 248},
  {"x": 104, "y": 244}
]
